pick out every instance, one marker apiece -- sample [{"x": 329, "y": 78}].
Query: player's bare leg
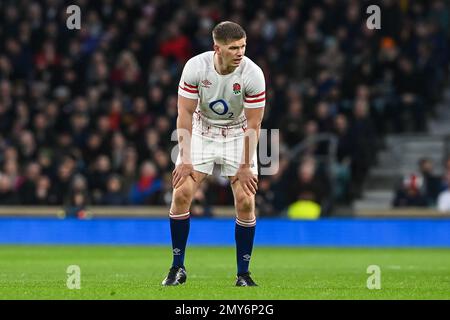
[
  {"x": 183, "y": 195},
  {"x": 179, "y": 226},
  {"x": 244, "y": 232}
]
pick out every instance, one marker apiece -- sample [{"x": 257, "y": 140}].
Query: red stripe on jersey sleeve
[
  {"x": 190, "y": 86},
  {"x": 256, "y": 95},
  {"x": 190, "y": 91},
  {"x": 254, "y": 101}
]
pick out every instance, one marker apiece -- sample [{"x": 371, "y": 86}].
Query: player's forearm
[{"x": 184, "y": 129}]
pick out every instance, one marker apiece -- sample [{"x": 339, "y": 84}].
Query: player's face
[{"x": 232, "y": 53}]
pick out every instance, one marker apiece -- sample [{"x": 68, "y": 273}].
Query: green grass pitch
[{"x": 121, "y": 272}]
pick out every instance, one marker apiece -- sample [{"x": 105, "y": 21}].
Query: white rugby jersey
[{"x": 222, "y": 98}]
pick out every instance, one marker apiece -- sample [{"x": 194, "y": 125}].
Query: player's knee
[
  {"x": 182, "y": 196},
  {"x": 245, "y": 204}
]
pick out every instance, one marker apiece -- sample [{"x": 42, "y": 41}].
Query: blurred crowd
[{"x": 86, "y": 116}]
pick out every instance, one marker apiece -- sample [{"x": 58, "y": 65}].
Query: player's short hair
[{"x": 227, "y": 31}]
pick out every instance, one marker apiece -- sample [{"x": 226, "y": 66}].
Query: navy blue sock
[
  {"x": 244, "y": 235},
  {"x": 179, "y": 230}
]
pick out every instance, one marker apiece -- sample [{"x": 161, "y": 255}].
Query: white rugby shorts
[{"x": 214, "y": 145}]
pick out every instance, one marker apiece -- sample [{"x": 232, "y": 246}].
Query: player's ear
[{"x": 216, "y": 48}]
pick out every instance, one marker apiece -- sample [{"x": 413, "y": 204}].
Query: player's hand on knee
[
  {"x": 248, "y": 181},
  {"x": 181, "y": 172}
]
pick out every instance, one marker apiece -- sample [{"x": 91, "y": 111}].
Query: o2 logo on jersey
[{"x": 219, "y": 107}]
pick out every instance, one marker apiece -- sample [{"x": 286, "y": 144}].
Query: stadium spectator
[
  {"x": 309, "y": 184},
  {"x": 98, "y": 177},
  {"x": 411, "y": 193},
  {"x": 11, "y": 172},
  {"x": 61, "y": 184},
  {"x": 27, "y": 189},
  {"x": 293, "y": 122},
  {"x": 114, "y": 195},
  {"x": 7, "y": 194},
  {"x": 344, "y": 154},
  {"x": 409, "y": 86},
  {"x": 78, "y": 198},
  {"x": 42, "y": 194},
  {"x": 129, "y": 169},
  {"x": 365, "y": 144},
  {"x": 145, "y": 190},
  {"x": 117, "y": 153},
  {"x": 432, "y": 182},
  {"x": 265, "y": 199}
]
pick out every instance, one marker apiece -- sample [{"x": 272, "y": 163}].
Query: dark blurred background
[{"x": 86, "y": 116}]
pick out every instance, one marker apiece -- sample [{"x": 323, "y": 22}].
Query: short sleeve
[
  {"x": 255, "y": 90},
  {"x": 188, "y": 86}
]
